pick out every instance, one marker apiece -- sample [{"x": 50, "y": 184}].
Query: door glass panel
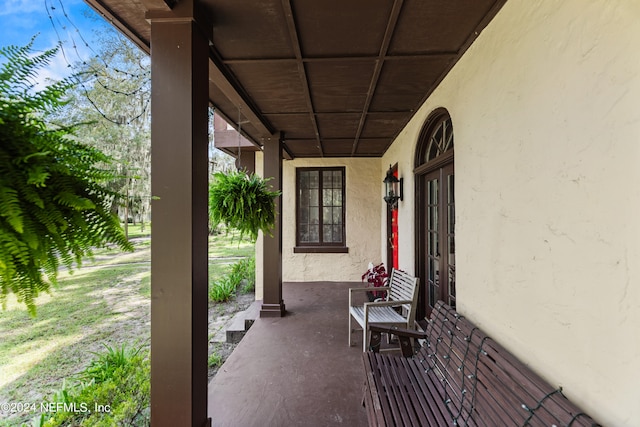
[
  {"x": 433, "y": 192},
  {"x": 434, "y": 281},
  {"x": 432, "y": 223},
  {"x": 433, "y": 243},
  {"x": 451, "y": 220},
  {"x": 451, "y": 241}
]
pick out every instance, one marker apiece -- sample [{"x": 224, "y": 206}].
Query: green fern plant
[
  {"x": 243, "y": 202},
  {"x": 54, "y": 203}
]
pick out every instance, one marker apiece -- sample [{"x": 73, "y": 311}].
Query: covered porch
[
  {"x": 294, "y": 370},
  {"x": 329, "y": 85},
  {"x": 542, "y": 99}
]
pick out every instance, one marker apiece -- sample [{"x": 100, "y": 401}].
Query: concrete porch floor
[{"x": 296, "y": 370}]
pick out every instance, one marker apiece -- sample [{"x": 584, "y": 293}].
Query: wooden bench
[
  {"x": 397, "y": 309},
  {"x": 459, "y": 377}
]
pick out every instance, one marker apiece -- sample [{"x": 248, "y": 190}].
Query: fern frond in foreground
[{"x": 54, "y": 205}]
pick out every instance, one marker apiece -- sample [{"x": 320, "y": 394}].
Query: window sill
[{"x": 320, "y": 250}]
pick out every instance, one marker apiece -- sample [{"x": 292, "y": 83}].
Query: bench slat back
[
  {"x": 404, "y": 287},
  {"x": 482, "y": 384}
]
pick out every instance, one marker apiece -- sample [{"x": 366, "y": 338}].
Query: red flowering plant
[{"x": 376, "y": 276}]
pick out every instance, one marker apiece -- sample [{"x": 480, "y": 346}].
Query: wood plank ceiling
[{"x": 338, "y": 77}]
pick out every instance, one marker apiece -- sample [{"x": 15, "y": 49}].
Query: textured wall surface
[
  {"x": 363, "y": 198},
  {"x": 546, "y": 113}
]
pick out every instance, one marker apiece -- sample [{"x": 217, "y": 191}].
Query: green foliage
[
  {"x": 214, "y": 360},
  {"x": 54, "y": 205},
  {"x": 242, "y": 202},
  {"x": 122, "y": 389},
  {"x": 245, "y": 270},
  {"x": 222, "y": 289},
  {"x": 105, "y": 364},
  {"x": 225, "y": 288}
]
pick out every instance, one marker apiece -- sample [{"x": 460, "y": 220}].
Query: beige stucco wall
[
  {"x": 546, "y": 113},
  {"x": 363, "y": 219}
]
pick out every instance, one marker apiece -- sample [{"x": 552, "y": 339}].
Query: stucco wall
[
  {"x": 546, "y": 115},
  {"x": 363, "y": 197}
]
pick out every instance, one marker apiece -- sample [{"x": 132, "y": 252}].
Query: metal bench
[
  {"x": 397, "y": 309},
  {"x": 459, "y": 377}
]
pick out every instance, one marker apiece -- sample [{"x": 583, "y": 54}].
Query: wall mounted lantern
[{"x": 392, "y": 189}]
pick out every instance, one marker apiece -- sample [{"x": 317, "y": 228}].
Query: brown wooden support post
[
  {"x": 273, "y": 305},
  {"x": 179, "y": 268}
]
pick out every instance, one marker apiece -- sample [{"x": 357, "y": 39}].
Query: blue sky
[{"x": 72, "y": 20}]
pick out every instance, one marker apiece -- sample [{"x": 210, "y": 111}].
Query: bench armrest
[
  {"x": 404, "y": 335},
  {"x": 400, "y": 332}
]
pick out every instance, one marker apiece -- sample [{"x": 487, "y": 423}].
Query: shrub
[
  {"x": 245, "y": 270},
  {"x": 214, "y": 360},
  {"x": 222, "y": 290},
  {"x": 119, "y": 381},
  {"x": 103, "y": 367},
  {"x": 226, "y": 287}
]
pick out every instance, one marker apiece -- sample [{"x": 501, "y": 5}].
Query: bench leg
[{"x": 350, "y": 330}]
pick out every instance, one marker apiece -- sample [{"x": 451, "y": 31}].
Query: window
[{"x": 320, "y": 211}]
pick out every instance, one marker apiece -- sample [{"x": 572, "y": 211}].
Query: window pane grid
[{"x": 320, "y": 206}]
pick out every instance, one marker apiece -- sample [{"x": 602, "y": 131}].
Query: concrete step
[{"x": 241, "y": 322}]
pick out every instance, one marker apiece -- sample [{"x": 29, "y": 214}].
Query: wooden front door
[
  {"x": 435, "y": 213},
  {"x": 437, "y": 238}
]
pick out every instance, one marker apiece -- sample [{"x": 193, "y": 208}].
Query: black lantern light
[{"x": 392, "y": 189}]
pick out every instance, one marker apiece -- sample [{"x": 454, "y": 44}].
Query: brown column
[
  {"x": 272, "y": 305},
  {"x": 179, "y": 81}
]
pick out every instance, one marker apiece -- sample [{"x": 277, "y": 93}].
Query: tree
[
  {"x": 54, "y": 202},
  {"x": 114, "y": 93}
]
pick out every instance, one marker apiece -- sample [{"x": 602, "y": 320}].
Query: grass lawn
[
  {"x": 139, "y": 230},
  {"x": 107, "y": 301}
]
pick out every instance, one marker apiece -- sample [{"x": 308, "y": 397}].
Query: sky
[{"x": 69, "y": 21}]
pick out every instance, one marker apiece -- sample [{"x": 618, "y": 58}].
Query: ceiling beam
[
  {"x": 234, "y": 92},
  {"x": 165, "y": 5},
  {"x": 386, "y": 41},
  {"x": 295, "y": 41},
  {"x": 484, "y": 21},
  {"x": 365, "y": 58}
]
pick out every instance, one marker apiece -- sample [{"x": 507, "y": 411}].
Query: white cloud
[
  {"x": 55, "y": 71},
  {"x": 11, "y": 7},
  {"x": 22, "y": 7}
]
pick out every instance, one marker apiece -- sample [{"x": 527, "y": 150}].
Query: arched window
[
  {"x": 435, "y": 212},
  {"x": 436, "y": 139}
]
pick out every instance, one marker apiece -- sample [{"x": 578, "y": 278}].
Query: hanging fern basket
[{"x": 243, "y": 202}]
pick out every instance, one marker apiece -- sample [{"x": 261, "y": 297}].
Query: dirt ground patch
[{"x": 219, "y": 315}]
